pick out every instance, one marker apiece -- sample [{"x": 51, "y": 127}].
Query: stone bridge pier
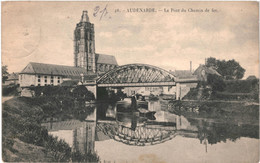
[{"x": 92, "y": 87}]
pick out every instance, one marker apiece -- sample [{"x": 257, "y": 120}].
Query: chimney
[
  {"x": 190, "y": 66},
  {"x": 84, "y": 17}
]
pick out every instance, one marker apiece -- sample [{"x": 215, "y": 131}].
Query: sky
[{"x": 43, "y": 32}]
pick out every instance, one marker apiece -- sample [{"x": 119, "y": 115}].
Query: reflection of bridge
[
  {"x": 138, "y": 75},
  {"x": 141, "y": 136}
]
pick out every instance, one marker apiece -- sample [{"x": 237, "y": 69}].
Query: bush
[
  {"x": 10, "y": 90},
  {"x": 216, "y": 83},
  {"x": 25, "y": 124},
  {"x": 88, "y": 157},
  {"x": 192, "y": 94},
  {"x": 242, "y": 86}
]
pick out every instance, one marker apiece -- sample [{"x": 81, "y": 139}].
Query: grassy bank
[
  {"x": 219, "y": 121},
  {"x": 229, "y": 90},
  {"x": 10, "y": 90},
  {"x": 207, "y": 94},
  {"x": 225, "y": 111},
  {"x": 23, "y": 137}
]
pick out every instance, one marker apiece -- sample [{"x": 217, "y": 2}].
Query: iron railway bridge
[{"x": 136, "y": 75}]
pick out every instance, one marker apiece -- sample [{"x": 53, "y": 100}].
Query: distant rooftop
[
  {"x": 183, "y": 74},
  {"x": 13, "y": 76},
  {"x": 51, "y": 69}
]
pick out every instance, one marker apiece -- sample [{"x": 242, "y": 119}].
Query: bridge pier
[{"x": 93, "y": 89}]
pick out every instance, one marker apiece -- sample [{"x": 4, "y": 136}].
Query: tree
[
  {"x": 230, "y": 69},
  {"x": 4, "y": 73},
  {"x": 82, "y": 92},
  {"x": 216, "y": 83},
  {"x": 212, "y": 62}
]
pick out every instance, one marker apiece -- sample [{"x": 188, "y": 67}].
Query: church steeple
[
  {"x": 84, "y": 17},
  {"x": 84, "y": 44}
]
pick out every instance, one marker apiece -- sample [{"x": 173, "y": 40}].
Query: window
[
  {"x": 51, "y": 80},
  {"x": 39, "y": 84},
  {"x": 51, "y": 77},
  {"x": 90, "y": 47},
  {"x": 39, "y": 78},
  {"x": 58, "y": 81},
  {"x": 45, "y": 77},
  {"x": 58, "y": 77},
  {"x": 45, "y": 80}
]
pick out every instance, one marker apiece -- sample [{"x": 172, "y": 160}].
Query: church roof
[
  {"x": 51, "y": 69},
  {"x": 106, "y": 59}
]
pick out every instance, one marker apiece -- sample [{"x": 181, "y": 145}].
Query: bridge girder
[{"x": 137, "y": 75}]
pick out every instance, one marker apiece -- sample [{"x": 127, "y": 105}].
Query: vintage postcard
[{"x": 130, "y": 82}]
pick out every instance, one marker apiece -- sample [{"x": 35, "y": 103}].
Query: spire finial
[{"x": 84, "y": 17}]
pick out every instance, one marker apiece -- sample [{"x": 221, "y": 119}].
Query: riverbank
[
  {"x": 24, "y": 139},
  {"x": 225, "y": 111},
  {"x": 245, "y": 102},
  {"x": 207, "y": 94}
]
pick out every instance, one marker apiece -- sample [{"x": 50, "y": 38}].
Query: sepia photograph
[{"x": 130, "y": 81}]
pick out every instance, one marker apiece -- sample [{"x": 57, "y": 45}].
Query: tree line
[{"x": 229, "y": 70}]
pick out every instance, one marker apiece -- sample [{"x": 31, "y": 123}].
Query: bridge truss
[{"x": 136, "y": 75}]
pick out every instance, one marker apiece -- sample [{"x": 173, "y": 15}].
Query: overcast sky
[{"x": 43, "y": 32}]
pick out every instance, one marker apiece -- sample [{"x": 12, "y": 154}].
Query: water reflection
[
  {"x": 139, "y": 128},
  {"x": 79, "y": 135}
]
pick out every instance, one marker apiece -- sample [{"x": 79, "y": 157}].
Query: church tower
[{"x": 84, "y": 44}]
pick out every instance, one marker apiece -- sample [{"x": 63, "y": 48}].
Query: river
[{"x": 155, "y": 133}]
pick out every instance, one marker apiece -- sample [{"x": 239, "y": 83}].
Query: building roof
[
  {"x": 51, "y": 69},
  {"x": 251, "y": 77},
  {"x": 70, "y": 83},
  {"x": 106, "y": 59},
  {"x": 183, "y": 74},
  {"x": 208, "y": 70}
]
